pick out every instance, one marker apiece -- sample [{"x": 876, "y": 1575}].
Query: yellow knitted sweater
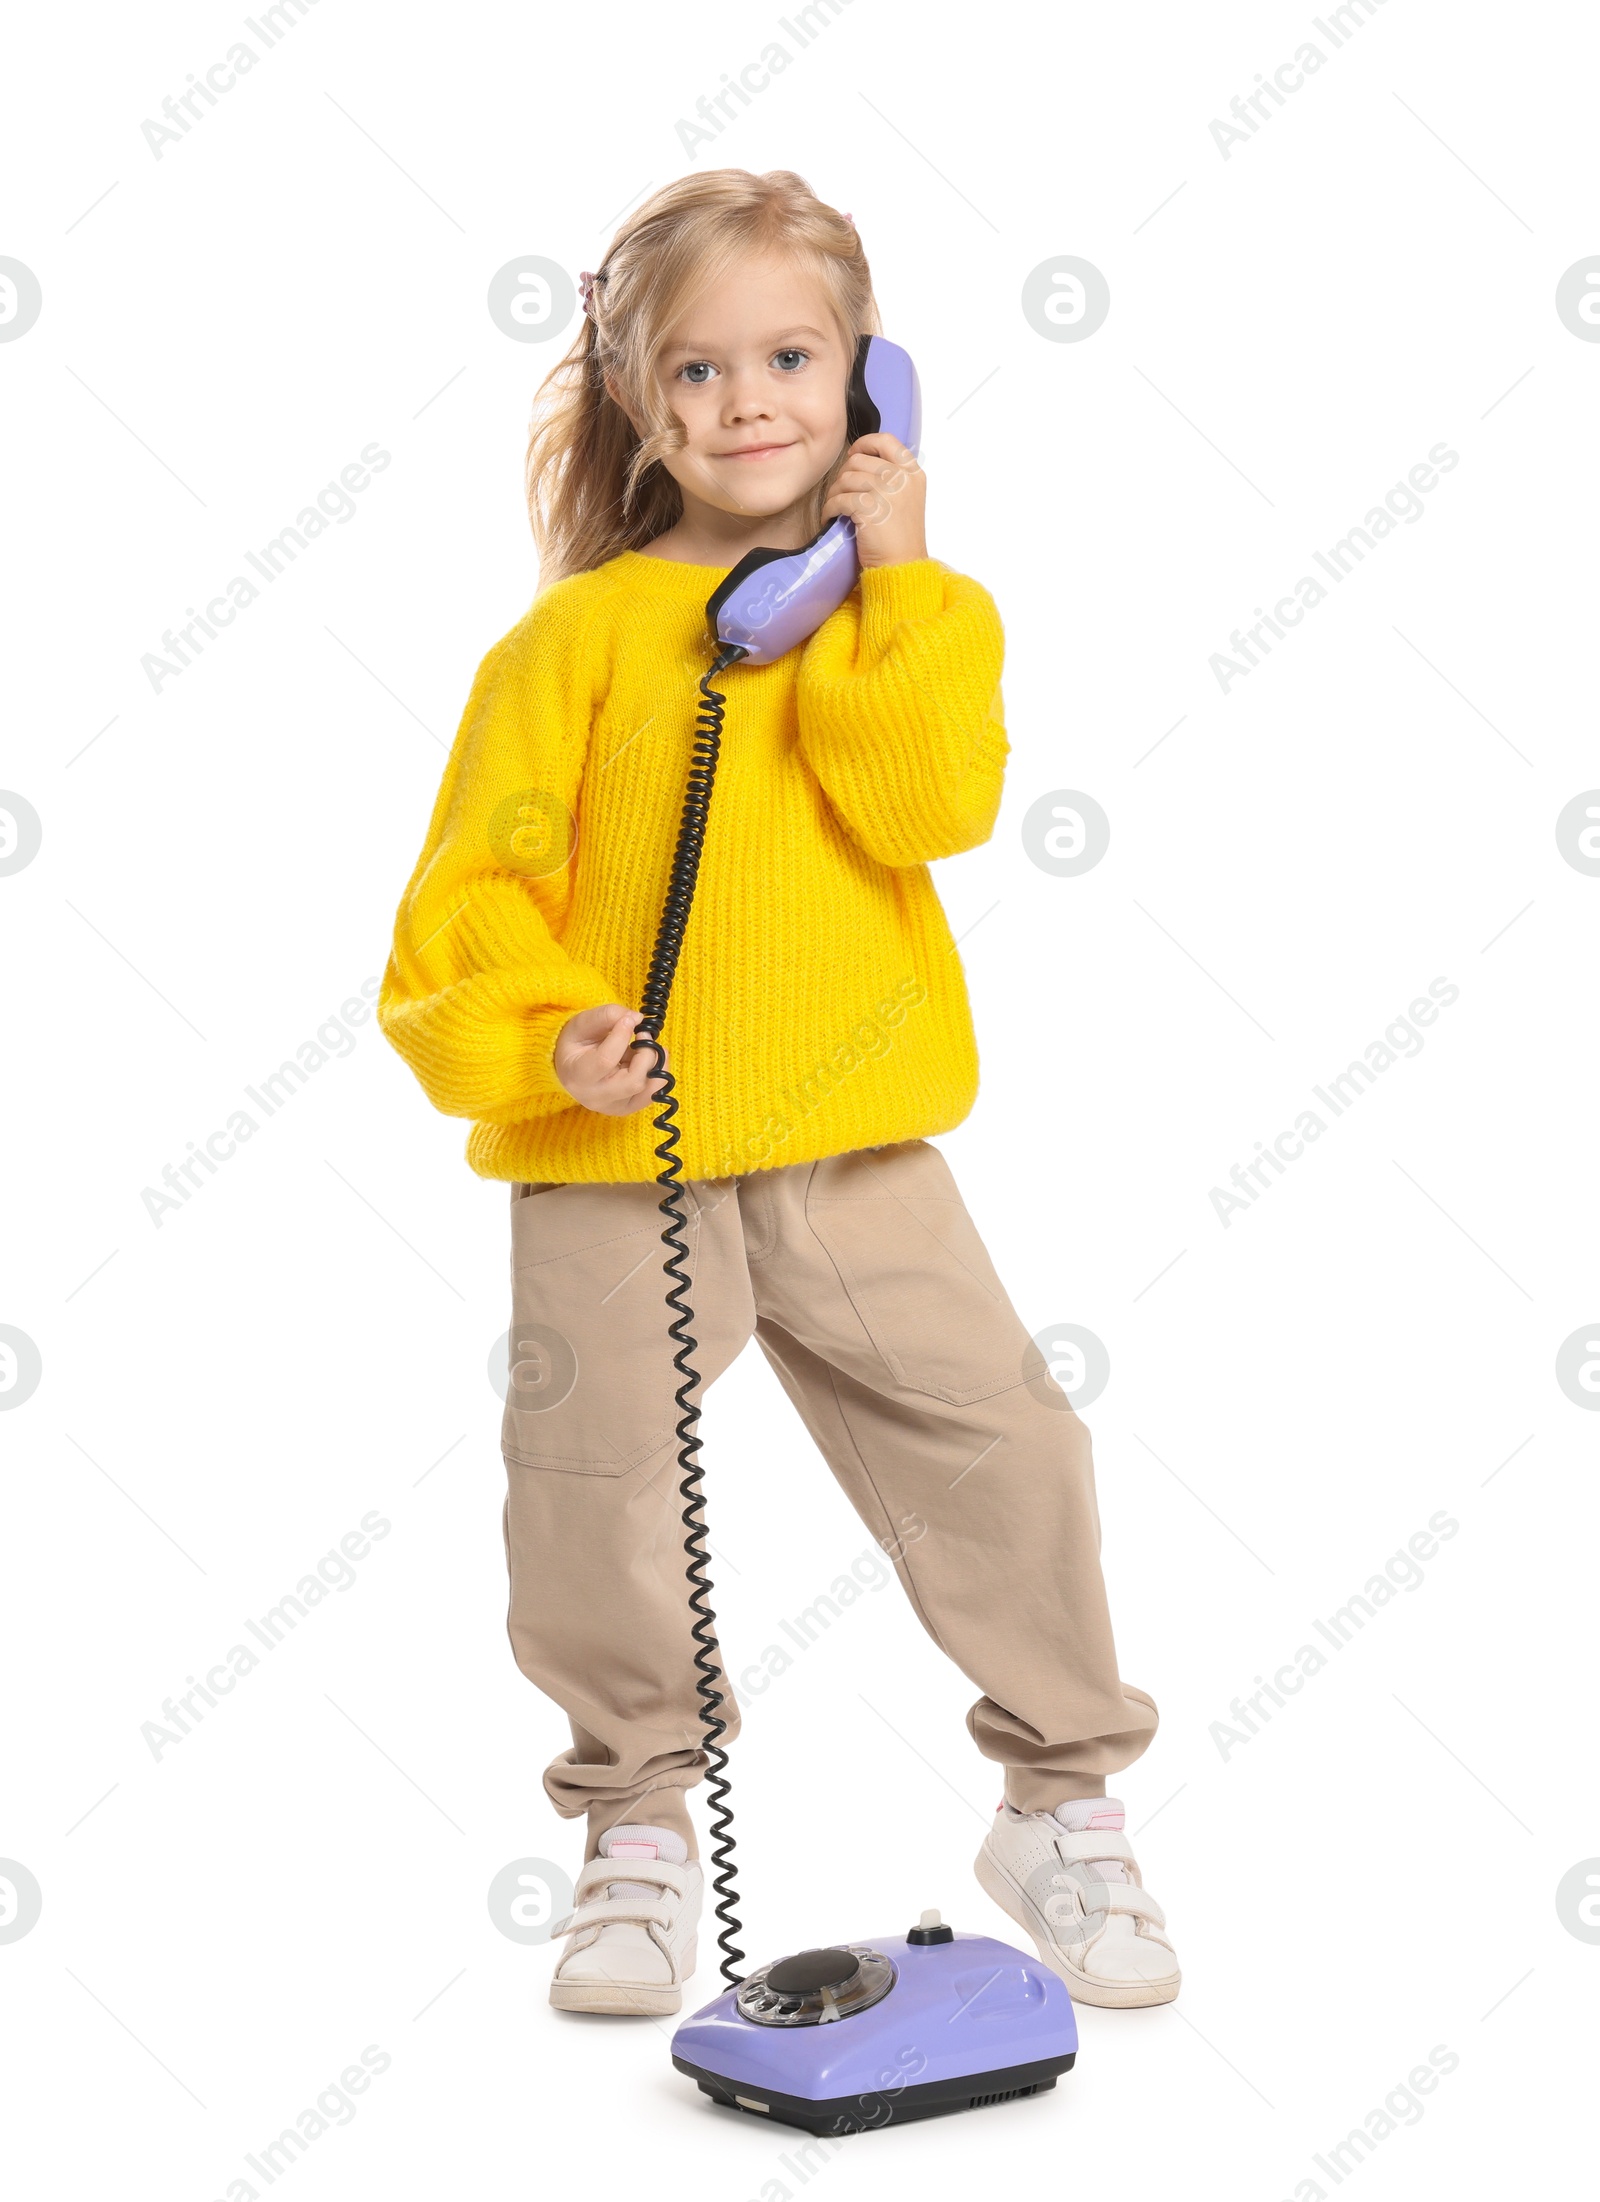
[{"x": 818, "y": 1003}]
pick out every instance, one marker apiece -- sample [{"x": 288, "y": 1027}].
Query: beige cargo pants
[{"x": 869, "y": 1291}]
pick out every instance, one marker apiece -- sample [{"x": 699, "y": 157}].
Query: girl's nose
[{"x": 749, "y": 402}]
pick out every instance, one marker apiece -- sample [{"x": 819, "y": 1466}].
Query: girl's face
[{"x": 757, "y": 372}]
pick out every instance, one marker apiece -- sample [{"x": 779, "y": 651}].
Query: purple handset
[{"x": 773, "y": 599}]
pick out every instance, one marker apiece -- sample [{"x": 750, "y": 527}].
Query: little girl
[{"x": 819, "y": 1035}]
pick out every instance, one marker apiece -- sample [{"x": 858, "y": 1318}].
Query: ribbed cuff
[
  {"x": 914, "y": 589},
  {"x": 539, "y": 1033}
]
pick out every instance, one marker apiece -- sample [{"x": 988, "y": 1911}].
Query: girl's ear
[{"x": 615, "y": 395}]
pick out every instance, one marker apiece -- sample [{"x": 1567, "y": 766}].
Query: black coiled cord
[{"x": 658, "y": 986}]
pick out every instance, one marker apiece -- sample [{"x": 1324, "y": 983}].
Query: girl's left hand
[{"x": 885, "y": 492}]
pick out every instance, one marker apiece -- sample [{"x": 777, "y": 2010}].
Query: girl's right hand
[{"x": 594, "y": 1061}]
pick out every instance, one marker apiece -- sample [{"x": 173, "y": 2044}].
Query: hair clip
[{"x": 585, "y": 288}]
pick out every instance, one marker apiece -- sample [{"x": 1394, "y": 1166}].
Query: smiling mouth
[{"x": 756, "y": 451}]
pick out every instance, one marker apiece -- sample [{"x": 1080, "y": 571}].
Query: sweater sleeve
[
  {"x": 900, "y": 712},
  {"x": 478, "y": 984}
]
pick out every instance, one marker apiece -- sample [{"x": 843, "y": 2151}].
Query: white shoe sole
[
  {"x": 1114, "y": 1995},
  {"x": 622, "y": 1998}
]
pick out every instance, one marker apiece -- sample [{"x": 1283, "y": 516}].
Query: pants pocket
[
  {"x": 591, "y": 1375},
  {"x": 909, "y": 1256}
]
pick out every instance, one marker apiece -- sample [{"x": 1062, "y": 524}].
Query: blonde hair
[{"x": 595, "y": 486}]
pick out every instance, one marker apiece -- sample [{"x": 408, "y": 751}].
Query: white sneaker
[
  {"x": 1070, "y": 1878},
  {"x": 632, "y": 1940}
]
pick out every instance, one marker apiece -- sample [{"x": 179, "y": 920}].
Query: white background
[{"x": 307, "y": 1339}]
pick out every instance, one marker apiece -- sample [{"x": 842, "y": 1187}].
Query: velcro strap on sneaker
[
  {"x": 616, "y": 1911},
  {"x": 1095, "y": 1843},
  {"x": 1121, "y": 1896},
  {"x": 659, "y": 1872}
]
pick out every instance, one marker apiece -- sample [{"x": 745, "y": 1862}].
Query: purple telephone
[
  {"x": 774, "y": 599},
  {"x": 878, "y": 2033}
]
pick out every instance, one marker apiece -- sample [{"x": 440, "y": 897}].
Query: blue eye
[
  {"x": 792, "y": 352},
  {"x": 689, "y": 375}
]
